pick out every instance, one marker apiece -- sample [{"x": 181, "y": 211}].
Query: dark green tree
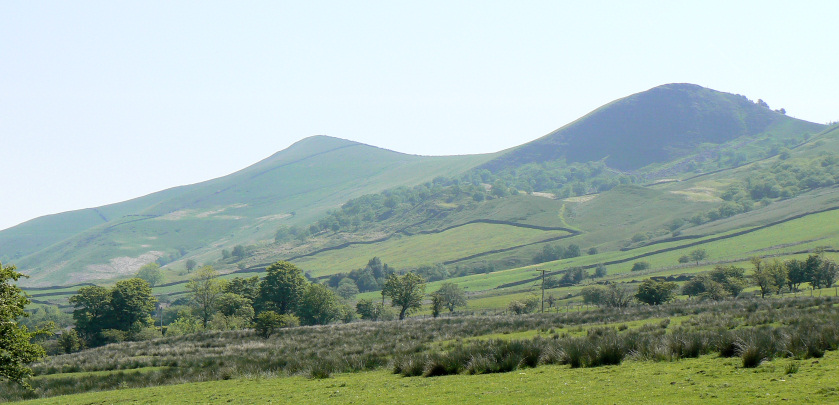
[
  {"x": 16, "y": 348},
  {"x": 732, "y": 278},
  {"x": 132, "y": 303},
  {"x": 318, "y": 306},
  {"x": 151, "y": 273},
  {"x": 190, "y": 265},
  {"x": 450, "y": 296},
  {"x": 92, "y": 313},
  {"x": 368, "y": 310},
  {"x": 205, "y": 288},
  {"x": 698, "y": 255},
  {"x": 654, "y": 292},
  {"x": 405, "y": 292},
  {"x": 796, "y": 274},
  {"x": 267, "y": 323},
  {"x": 245, "y": 287},
  {"x": 238, "y": 252},
  {"x": 281, "y": 289}
]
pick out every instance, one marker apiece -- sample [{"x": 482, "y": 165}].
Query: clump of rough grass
[{"x": 800, "y": 327}]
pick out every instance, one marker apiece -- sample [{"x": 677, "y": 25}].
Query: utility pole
[{"x": 543, "y": 291}]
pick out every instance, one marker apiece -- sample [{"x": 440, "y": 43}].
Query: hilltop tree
[
  {"x": 239, "y": 252},
  {"x": 16, "y": 348},
  {"x": 150, "y": 273},
  {"x": 281, "y": 289},
  {"x": 405, "y": 292}
]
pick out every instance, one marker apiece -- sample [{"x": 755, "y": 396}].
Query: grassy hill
[
  {"x": 658, "y": 125},
  {"x": 294, "y": 186}
]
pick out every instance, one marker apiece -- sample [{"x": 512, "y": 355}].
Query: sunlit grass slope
[
  {"x": 294, "y": 186},
  {"x": 692, "y": 381}
]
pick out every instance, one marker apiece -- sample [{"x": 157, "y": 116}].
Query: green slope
[
  {"x": 294, "y": 186},
  {"x": 654, "y": 126}
]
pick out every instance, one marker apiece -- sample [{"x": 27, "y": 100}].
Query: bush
[
  {"x": 268, "y": 322},
  {"x": 639, "y": 266}
]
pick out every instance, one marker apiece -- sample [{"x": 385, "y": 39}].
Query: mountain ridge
[{"x": 613, "y": 131}]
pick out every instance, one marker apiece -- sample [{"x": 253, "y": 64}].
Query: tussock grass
[{"x": 795, "y": 328}]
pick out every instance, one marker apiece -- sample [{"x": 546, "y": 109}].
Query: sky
[{"x": 101, "y": 102}]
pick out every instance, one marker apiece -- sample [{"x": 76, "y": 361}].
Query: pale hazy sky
[{"x": 105, "y": 101}]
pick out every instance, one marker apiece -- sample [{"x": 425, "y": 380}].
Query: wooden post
[{"x": 543, "y": 291}]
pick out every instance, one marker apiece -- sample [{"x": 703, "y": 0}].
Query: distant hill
[
  {"x": 654, "y": 126},
  {"x": 294, "y": 186}
]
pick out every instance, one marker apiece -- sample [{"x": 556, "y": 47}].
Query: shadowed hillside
[{"x": 654, "y": 126}]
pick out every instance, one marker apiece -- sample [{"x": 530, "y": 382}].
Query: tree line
[{"x": 769, "y": 276}]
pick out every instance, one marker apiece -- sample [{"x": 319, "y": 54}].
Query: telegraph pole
[{"x": 543, "y": 291}]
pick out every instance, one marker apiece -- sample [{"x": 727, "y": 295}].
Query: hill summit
[{"x": 653, "y": 126}]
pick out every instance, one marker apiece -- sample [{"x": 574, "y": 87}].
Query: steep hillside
[
  {"x": 294, "y": 186},
  {"x": 654, "y": 126}
]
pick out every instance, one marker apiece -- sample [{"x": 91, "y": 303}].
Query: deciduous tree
[
  {"x": 132, "y": 303},
  {"x": 92, "y": 313},
  {"x": 318, "y": 306},
  {"x": 654, "y": 292},
  {"x": 205, "y": 289},
  {"x": 405, "y": 292},
  {"x": 16, "y": 348},
  {"x": 451, "y": 296},
  {"x": 151, "y": 273},
  {"x": 281, "y": 289}
]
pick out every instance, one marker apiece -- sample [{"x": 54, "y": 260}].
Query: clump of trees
[
  {"x": 104, "y": 315},
  {"x": 776, "y": 276},
  {"x": 656, "y": 292},
  {"x": 556, "y": 252},
  {"x": 526, "y": 306},
  {"x": 722, "y": 282},
  {"x": 611, "y": 295},
  {"x": 370, "y": 278}
]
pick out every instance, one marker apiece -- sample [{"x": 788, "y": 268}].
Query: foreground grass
[{"x": 706, "y": 379}]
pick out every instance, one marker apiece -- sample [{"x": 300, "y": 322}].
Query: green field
[
  {"x": 414, "y": 251},
  {"x": 693, "y": 381}
]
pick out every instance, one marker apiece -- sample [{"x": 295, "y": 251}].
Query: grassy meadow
[
  {"x": 702, "y": 380},
  {"x": 754, "y": 349}
]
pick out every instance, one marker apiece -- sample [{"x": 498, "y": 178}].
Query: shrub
[
  {"x": 268, "y": 322},
  {"x": 639, "y": 266}
]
